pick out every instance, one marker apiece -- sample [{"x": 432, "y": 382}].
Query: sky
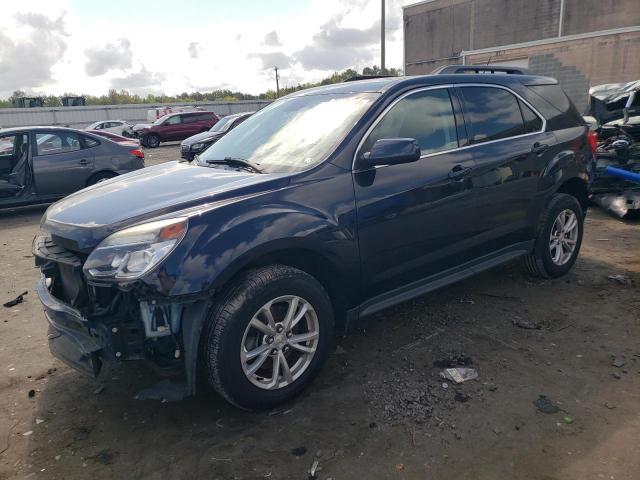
[{"x": 171, "y": 46}]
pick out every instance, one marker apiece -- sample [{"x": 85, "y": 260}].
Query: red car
[
  {"x": 175, "y": 126},
  {"x": 114, "y": 137}
]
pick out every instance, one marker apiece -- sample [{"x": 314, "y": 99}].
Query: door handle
[
  {"x": 539, "y": 148},
  {"x": 84, "y": 161},
  {"x": 459, "y": 172}
]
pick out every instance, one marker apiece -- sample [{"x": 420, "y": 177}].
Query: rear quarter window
[
  {"x": 551, "y": 101},
  {"x": 491, "y": 113}
]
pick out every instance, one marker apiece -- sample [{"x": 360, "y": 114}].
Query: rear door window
[
  {"x": 425, "y": 116},
  {"x": 55, "y": 143},
  {"x": 491, "y": 113}
]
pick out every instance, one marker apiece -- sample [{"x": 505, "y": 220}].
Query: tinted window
[
  {"x": 90, "y": 142},
  {"x": 239, "y": 121},
  {"x": 532, "y": 122},
  {"x": 491, "y": 113},
  {"x": 173, "y": 120},
  {"x": 425, "y": 116},
  {"x": 53, "y": 143}
]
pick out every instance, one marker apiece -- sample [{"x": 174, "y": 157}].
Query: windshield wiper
[{"x": 238, "y": 162}]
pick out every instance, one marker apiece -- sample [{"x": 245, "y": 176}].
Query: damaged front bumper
[
  {"x": 68, "y": 335},
  {"x": 93, "y": 324}
]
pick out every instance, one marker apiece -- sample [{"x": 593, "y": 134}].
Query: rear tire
[
  {"x": 231, "y": 346},
  {"x": 559, "y": 238},
  {"x": 152, "y": 140},
  {"x": 100, "y": 177}
]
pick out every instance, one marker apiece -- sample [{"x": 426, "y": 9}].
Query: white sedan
[{"x": 119, "y": 127}]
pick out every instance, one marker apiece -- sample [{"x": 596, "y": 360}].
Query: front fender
[{"x": 222, "y": 242}]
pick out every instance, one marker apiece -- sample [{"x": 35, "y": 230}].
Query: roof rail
[
  {"x": 453, "y": 69},
  {"x": 357, "y": 78}
]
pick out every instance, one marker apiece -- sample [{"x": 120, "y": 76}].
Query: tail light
[
  {"x": 592, "y": 138},
  {"x": 137, "y": 153}
]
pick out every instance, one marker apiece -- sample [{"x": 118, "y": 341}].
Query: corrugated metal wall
[{"x": 80, "y": 117}]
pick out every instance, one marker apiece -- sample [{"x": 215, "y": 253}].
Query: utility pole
[
  {"x": 277, "y": 83},
  {"x": 382, "y": 22}
]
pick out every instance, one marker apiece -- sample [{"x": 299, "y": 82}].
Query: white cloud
[
  {"x": 272, "y": 39},
  {"x": 110, "y": 56},
  {"x": 307, "y": 45},
  {"x": 194, "y": 50}
]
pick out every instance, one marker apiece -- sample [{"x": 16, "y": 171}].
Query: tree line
[{"x": 114, "y": 97}]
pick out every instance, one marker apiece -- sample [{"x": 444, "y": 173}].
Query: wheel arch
[
  {"x": 110, "y": 173},
  {"x": 302, "y": 256},
  {"x": 578, "y": 188}
]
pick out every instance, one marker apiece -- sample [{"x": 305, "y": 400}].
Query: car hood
[
  {"x": 141, "y": 126},
  {"x": 86, "y": 217},
  {"x": 606, "y": 102},
  {"x": 202, "y": 137}
]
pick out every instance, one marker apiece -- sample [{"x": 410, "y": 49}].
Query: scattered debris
[
  {"x": 610, "y": 406},
  {"x": 339, "y": 350},
  {"x": 104, "y": 457},
  {"x": 99, "y": 390},
  {"x": 453, "y": 360},
  {"x": 568, "y": 420},
  {"x": 461, "y": 397},
  {"x": 545, "y": 405},
  {"x": 459, "y": 374},
  {"x": 525, "y": 323},
  {"x": 313, "y": 469},
  {"x": 399, "y": 467},
  {"x": 618, "y": 362},
  {"x": 298, "y": 451},
  {"x": 26, "y": 434},
  {"x": 32, "y": 393},
  {"x": 616, "y": 375},
  {"x": 39, "y": 421},
  {"x": 618, "y": 277},
  {"x": 12, "y": 303},
  {"x": 58, "y": 457}
]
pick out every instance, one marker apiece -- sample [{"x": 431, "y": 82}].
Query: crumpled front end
[{"x": 90, "y": 325}]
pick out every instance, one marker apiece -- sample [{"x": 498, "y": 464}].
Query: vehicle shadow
[{"x": 26, "y": 212}]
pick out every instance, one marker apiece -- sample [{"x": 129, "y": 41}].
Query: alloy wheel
[
  {"x": 564, "y": 237},
  {"x": 279, "y": 342}
]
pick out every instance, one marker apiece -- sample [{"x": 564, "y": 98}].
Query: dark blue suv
[{"x": 328, "y": 205}]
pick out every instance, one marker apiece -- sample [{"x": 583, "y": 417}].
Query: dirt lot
[{"x": 378, "y": 410}]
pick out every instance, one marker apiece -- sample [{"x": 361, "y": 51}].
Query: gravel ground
[
  {"x": 166, "y": 152},
  {"x": 379, "y": 409}
]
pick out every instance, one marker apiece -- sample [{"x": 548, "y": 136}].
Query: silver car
[{"x": 43, "y": 164}]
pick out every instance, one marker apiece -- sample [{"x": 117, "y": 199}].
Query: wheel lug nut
[
  {"x": 289, "y": 334},
  {"x": 269, "y": 340},
  {"x": 279, "y": 329},
  {"x": 274, "y": 351}
]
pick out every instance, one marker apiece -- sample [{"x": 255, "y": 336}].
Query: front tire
[
  {"x": 559, "y": 238},
  {"x": 152, "y": 140},
  {"x": 267, "y": 336}
]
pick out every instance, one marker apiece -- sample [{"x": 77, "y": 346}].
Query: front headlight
[
  {"x": 132, "y": 252},
  {"x": 196, "y": 147}
]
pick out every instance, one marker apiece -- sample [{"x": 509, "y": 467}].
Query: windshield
[
  {"x": 292, "y": 134},
  {"x": 162, "y": 119},
  {"x": 222, "y": 125}
]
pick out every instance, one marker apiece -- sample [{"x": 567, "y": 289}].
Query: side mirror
[{"x": 391, "y": 151}]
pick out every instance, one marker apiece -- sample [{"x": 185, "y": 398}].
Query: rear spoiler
[{"x": 471, "y": 69}]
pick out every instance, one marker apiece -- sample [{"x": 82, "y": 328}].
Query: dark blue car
[{"x": 328, "y": 205}]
